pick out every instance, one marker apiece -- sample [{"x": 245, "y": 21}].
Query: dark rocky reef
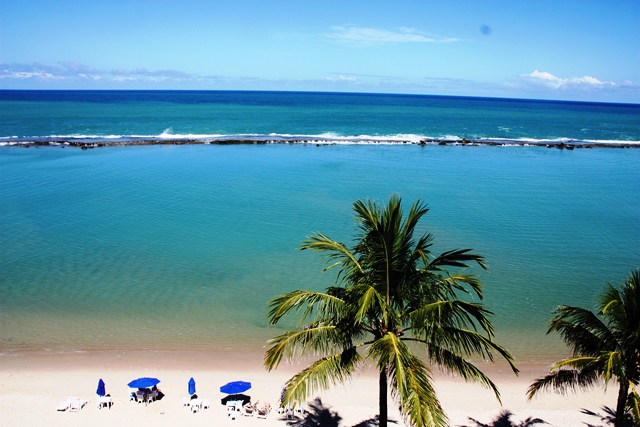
[{"x": 84, "y": 144}]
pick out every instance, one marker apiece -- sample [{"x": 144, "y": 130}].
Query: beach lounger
[
  {"x": 71, "y": 404},
  {"x": 64, "y": 405},
  {"x": 76, "y": 404},
  {"x": 206, "y": 404},
  {"x": 186, "y": 401},
  {"x": 103, "y": 401},
  {"x": 262, "y": 411},
  {"x": 232, "y": 411},
  {"x": 248, "y": 410}
]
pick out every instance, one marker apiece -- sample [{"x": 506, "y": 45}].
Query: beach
[{"x": 33, "y": 385}]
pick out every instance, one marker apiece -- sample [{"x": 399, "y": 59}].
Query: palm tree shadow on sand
[
  {"x": 503, "y": 419},
  {"x": 320, "y": 415}
]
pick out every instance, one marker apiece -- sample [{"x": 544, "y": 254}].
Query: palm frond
[
  {"x": 302, "y": 304},
  {"x": 369, "y": 300},
  {"x": 456, "y": 258},
  {"x": 465, "y": 342},
  {"x": 321, "y": 375},
  {"x": 444, "y": 285},
  {"x": 337, "y": 254},
  {"x": 410, "y": 381},
  {"x": 450, "y": 313},
  {"x": 579, "y": 363},
  {"x": 320, "y": 339},
  {"x": 563, "y": 380},
  {"x": 456, "y": 364},
  {"x": 581, "y": 330}
]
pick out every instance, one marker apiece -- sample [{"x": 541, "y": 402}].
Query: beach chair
[
  {"x": 64, "y": 405},
  {"x": 232, "y": 411},
  {"x": 186, "y": 401},
  {"x": 75, "y": 404},
  {"x": 248, "y": 410},
  {"x": 100, "y": 402},
  {"x": 262, "y": 411},
  {"x": 206, "y": 404}
]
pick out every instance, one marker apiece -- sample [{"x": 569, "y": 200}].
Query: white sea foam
[{"x": 322, "y": 138}]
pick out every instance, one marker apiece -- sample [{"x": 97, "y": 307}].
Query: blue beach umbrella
[
  {"x": 192, "y": 386},
  {"x": 144, "y": 382},
  {"x": 235, "y": 387},
  {"x": 101, "y": 391}
]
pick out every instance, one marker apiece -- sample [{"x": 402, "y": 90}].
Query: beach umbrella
[
  {"x": 235, "y": 387},
  {"x": 192, "y": 386},
  {"x": 101, "y": 391},
  {"x": 144, "y": 382},
  {"x": 235, "y": 398}
]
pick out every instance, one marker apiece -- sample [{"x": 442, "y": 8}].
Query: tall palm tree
[
  {"x": 604, "y": 346},
  {"x": 391, "y": 291}
]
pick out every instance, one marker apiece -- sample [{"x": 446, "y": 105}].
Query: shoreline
[
  {"x": 97, "y": 142},
  {"x": 32, "y": 386}
]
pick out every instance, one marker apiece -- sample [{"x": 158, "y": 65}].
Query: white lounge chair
[
  {"x": 248, "y": 410},
  {"x": 262, "y": 411},
  {"x": 103, "y": 401},
  {"x": 64, "y": 405},
  {"x": 76, "y": 404},
  {"x": 71, "y": 404},
  {"x": 232, "y": 410}
]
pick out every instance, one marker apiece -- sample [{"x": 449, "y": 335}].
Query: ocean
[{"x": 172, "y": 246}]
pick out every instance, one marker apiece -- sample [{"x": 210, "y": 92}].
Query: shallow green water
[{"x": 181, "y": 246}]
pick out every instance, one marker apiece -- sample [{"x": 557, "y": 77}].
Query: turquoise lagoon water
[
  {"x": 169, "y": 247},
  {"x": 181, "y": 247}
]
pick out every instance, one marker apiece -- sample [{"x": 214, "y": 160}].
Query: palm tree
[
  {"x": 604, "y": 346},
  {"x": 391, "y": 291}
]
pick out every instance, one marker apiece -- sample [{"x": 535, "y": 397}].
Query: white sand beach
[{"x": 33, "y": 385}]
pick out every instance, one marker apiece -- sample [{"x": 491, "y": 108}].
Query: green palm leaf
[
  {"x": 302, "y": 304},
  {"x": 322, "y": 374},
  {"x": 411, "y": 381},
  {"x": 293, "y": 344}
]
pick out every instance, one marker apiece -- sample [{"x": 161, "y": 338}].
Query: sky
[{"x": 542, "y": 49}]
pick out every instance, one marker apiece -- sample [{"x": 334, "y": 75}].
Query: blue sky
[{"x": 575, "y": 50}]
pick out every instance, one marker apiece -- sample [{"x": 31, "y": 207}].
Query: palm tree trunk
[
  {"x": 623, "y": 394},
  {"x": 382, "y": 417}
]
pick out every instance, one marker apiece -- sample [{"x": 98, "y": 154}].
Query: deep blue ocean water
[
  {"x": 27, "y": 115},
  {"x": 181, "y": 246}
]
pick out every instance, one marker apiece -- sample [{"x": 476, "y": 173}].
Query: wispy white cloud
[
  {"x": 341, "y": 78},
  {"x": 365, "y": 36},
  {"x": 72, "y": 71},
  {"x": 549, "y": 81}
]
